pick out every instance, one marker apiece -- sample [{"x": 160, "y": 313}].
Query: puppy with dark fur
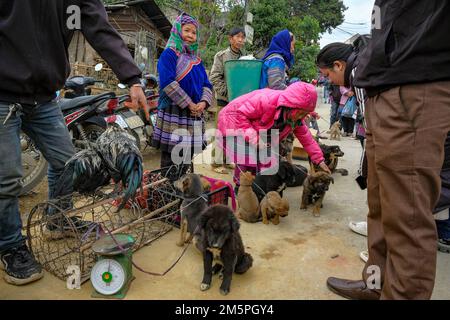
[
  {"x": 300, "y": 175},
  {"x": 220, "y": 243},
  {"x": 331, "y": 155},
  {"x": 287, "y": 147},
  {"x": 314, "y": 189},
  {"x": 194, "y": 203},
  {"x": 263, "y": 184}
]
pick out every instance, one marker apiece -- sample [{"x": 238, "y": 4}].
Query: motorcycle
[
  {"x": 135, "y": 122},
  {"x": 85, "y": 119},
  {"x": 79, "y": 86}
]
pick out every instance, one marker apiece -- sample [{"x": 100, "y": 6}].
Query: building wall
[{"x": 142, "y": 37}]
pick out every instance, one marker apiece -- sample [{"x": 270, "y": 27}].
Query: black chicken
[
  {"x": 121, "y": 154},
  {"x": 88, "y": 171},
  {"x": 114, "y": 155}
]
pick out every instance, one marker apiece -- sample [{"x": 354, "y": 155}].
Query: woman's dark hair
[
  {"x": 236, "y": 31},
  {"x": 337, "y": 51}
]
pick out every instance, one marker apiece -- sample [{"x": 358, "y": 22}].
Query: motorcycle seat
[{"x": 68, "y": 104}]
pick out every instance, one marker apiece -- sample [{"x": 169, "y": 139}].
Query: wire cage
[
  {"x": 173, "y": 173},
  {"x": 61, "y": 232}
]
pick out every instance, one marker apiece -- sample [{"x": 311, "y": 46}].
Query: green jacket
[{"x": 217, "y": 74}]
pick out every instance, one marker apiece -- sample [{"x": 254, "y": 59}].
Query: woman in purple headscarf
[
  {"x": 278, "y": 60},
  {"x": 185, "y": 92}
]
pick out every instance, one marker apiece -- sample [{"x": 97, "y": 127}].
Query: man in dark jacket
[
  {"x": 406, "y": 72},
  {"x": 34, "y": 64}
]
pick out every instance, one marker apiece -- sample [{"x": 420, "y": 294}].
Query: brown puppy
[
  {"x": 273, "y": 207},
  {"x": 192, "y": 187},
  {"x": 248, "y": 201},
  {"x": 335, "y": 131},
  {"x": 314, "y": 189}
]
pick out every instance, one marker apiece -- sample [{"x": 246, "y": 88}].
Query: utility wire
[
  {"x": 342, "y": 30},
  {"x": 357, "y": 23}
]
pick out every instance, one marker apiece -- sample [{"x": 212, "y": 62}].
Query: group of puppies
[
  {"x": 260, "y": 197},
  {"x": 214, "y": 231}
]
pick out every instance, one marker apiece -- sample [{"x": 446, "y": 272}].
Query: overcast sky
[{"x": 358, "y": 12}]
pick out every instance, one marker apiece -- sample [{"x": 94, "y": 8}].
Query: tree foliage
[
  {"x": 307, "y": 19},
  {"x": 271, "y": 17},
  {"x": 329, "y": 13}
]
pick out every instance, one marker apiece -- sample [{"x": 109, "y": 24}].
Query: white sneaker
[
  {"x": 359, "y": 227},
  {"x": 364, "y": 255}
]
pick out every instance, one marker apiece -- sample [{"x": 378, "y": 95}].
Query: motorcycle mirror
[
  {"x": 122, "y": 86},
  {"x": 98, "y": 67},
  {"x": 144, "y": 53}
]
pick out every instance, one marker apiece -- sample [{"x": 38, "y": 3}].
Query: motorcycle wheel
[{"x": 34, "y": 165}]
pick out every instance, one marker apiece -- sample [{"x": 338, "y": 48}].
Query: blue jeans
[
  {"x": 443, "y": 228},
  {"x": 334, "y": 113},
  {"x": 44, "y": 124}
]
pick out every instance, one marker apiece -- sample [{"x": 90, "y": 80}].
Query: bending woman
[{"x": 244, "y": 120}]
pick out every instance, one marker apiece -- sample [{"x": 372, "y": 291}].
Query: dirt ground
[{"x": 291, "y": 261}]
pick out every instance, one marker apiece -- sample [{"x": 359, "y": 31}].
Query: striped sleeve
[
  {"x": 177, "y": 95},
  {"x": 361, "y": 97},
  {"x": 276, "y": 74},
  {"x": 207, "y": 95}
]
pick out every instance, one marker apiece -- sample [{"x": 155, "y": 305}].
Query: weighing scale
[{"x": 111, "y": 276}]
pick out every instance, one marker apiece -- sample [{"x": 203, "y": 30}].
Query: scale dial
[{"x": 108, "y": 277}]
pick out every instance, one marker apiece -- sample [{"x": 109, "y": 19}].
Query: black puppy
[
  {"x": 263, "y": 184},
  {"x": 192, "y": 206},
  {"x": 300, "y": 175},
  {"x": 331, "y": 155},
  {"x": 220, "y": 242}
]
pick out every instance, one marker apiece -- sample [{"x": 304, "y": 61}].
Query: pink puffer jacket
[{"x": 258, "y": 110}]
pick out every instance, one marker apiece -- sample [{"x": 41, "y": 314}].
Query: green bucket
[{"x": 243, "y": 76}]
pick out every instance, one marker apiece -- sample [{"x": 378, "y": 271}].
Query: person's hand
[
  {"x": 350, "y": 94},
  {"x": 201, "y": 106},
  {"x": 193, "y": 108},
  {"x": 324, "y": 167},
  {"x": 138, "y": 100}
]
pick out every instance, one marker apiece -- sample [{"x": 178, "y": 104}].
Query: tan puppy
[
  {"x": 335, "y": 131},
  {"x": 273, "y": 207},
  {"x": 247, "y": 199}
]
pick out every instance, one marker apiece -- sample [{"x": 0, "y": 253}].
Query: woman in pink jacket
[{"x": 245, "y": 120}]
